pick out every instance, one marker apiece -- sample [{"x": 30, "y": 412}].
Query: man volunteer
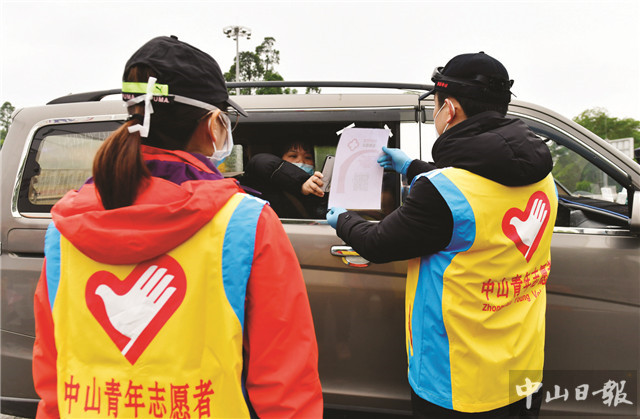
[{"x": 477, "y": 227}]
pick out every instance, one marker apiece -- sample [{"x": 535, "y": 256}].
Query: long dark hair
[{"x": 119, "y": 169}]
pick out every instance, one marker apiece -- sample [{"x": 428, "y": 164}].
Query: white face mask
[
  {"x": 436, "y": 116},
  {"x": 218, "y": 156}
]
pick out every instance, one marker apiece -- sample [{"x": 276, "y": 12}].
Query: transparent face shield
[{"x": 151, "y": 91}]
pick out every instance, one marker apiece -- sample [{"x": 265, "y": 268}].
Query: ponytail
[{"x": 119, "y": 168}]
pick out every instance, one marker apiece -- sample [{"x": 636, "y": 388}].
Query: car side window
[
  {"x": 588, "y": 196},
  {"x": 60, "y": 156},
  {"x": 259, "y": 138}
]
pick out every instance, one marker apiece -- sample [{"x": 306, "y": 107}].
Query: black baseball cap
[
  {"x": 476, "y": 75},
  {"x": 184, "y": 74}
]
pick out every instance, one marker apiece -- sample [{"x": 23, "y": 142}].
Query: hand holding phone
[{"x": 327, "y": 171}]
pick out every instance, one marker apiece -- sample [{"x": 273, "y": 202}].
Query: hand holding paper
[{"x": 396, "y": 159}]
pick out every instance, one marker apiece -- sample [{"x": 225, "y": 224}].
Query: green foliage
[
  {"x": 600, "y": 123},
  {"x": 251, "y": 68},
  {"x": 573, "y": 172},
  {"x": 583, "y": 185},
  {"x": 271, "y": 76},
  {"x": 565, "y": 168},
  {"x": 268, "y": 54},
  {"x": 260, "y": 66},
  {"x": 5, "y": 120}
]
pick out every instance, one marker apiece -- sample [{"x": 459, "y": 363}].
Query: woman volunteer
[{"x": 166, "y": 290}]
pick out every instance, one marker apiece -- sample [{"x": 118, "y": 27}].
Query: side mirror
[{"x": 634, "y": 222}]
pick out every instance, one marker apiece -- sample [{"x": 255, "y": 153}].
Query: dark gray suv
[{"x": 593, "y": 310}]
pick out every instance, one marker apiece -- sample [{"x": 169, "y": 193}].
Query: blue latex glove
[
  {"x": 396, "y": 159},
  {"x": 332, "y": 215}
]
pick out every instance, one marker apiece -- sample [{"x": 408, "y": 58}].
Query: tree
[
  {"x": 600, "y": 123},
  {"x": 251, "y": 69},
  {"x": 272, "y": 76},
  {"x": 268, "y": 54},
  {"x": 260, "y": 66},
  {"x": 5, "y": 120}
]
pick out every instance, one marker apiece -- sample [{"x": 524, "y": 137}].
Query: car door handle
[{"x": 349, "y": 256}]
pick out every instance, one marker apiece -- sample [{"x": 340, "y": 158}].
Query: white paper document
[{"x": 357, "y": 177}]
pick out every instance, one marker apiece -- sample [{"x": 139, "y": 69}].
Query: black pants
[{"x": 422, "y": 409}]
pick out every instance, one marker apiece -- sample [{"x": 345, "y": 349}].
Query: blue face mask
[{"x": 306, "y": 167}]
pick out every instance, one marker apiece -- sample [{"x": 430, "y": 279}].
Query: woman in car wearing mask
[
  {"x": 166, "y": 290},
  {"x": 290, "y": 182}
]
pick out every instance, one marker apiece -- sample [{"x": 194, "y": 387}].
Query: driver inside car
[{"x": 290, "y": 182}]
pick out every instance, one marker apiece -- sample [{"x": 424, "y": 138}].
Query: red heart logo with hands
[
  {"x": 132, "y": 311},
  {"x": 525, "y": 228}
]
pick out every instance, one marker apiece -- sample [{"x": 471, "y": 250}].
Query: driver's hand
[{"x": 313, "y": 185}]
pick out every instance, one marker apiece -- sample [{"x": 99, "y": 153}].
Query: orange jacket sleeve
[
  {"x": 281, "y": 361},
  {"x": 44, "y": 352}
]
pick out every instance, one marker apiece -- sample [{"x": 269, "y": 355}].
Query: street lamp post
[{"x": 235, "y": 32}]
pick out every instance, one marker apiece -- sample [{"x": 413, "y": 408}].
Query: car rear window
[{"x": 59, "y": 159}]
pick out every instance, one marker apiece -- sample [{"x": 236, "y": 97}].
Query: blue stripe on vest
[
  {"x": 237, "y": 252},
  {"x": 431, "y": 375},
  {"x": 52, "y": 254}
]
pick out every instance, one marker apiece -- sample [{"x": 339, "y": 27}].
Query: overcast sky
[{"x": 565, "y": 55}]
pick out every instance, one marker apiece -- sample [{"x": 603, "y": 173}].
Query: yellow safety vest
[
  {"x": 162, "y": 338},
  {"x": 475, "y": 311}
]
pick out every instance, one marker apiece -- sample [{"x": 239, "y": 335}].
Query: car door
[
  {"x": 44, "y": 156},
  {"x": 593, "y": 307},
  {"x": 357, "y": 306}
]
